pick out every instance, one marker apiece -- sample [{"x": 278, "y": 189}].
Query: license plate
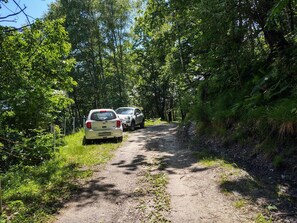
[{"x": 104, "y": 133}]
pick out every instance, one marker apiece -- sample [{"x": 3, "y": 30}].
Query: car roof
[
  {"x": 127, "y": 107},
  {"x": 101, "y": 109}
]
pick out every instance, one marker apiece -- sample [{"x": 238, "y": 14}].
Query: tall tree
[
  {"x": 34, "y": 67},
  {"x": 34, "y": 73},
  {"x": 150, "y": 49},
  {"x": 98, "y": 34},
  {"x": 224, "y": 58}
]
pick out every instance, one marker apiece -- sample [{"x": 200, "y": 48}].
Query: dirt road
[{"x": 122, "y": 191}]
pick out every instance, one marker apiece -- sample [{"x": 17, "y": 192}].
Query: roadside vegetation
[
  {"x": 34, "y": 193},
  {"x": 155, "y": 200},
  {"x": 152, "y": 122},
  {"x": 245, "y": 189}
]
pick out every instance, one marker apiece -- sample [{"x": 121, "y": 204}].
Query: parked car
[
  {"x": 103, "y": 124},
  {"x": 130, "y": 117}
]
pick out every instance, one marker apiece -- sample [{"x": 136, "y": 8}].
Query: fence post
[
  {"x": 84, "y": 121},
  {"x": 54, "y": 136},
  {"x": 0, "y": 197},
  {"x": 65, "y": 125},
  {"x": 73, "y": 125},
  {"x": 53, "y": 131}
]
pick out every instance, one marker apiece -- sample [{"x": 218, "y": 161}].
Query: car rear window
[
  {"x": 124, "y": 111},
  {"x": 103, "y": 115}
]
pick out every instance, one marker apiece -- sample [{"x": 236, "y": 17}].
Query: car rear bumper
[
  {"x": 126, "y": 124},
  {"x": 103, "y": 134}
]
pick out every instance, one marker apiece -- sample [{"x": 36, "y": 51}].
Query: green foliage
[
  {"x": 240, "y": 203},
  {"x": 156, "y": 86},
  {"x": 207, "y": 159},
  {"x": 248, "y": 93},
  {"x": 152, "y": 122},
  {"x": 34, "y": 79},
  {"x": 283, "y": 110},
  {"x": 262, "y": 219},
  {"x": 229, "y": 65},
  {"x": 30, "y": 148},
  {"x": 34, "y": 71},
  {"x": 35, "y": 149},
  {"x": 249, "y": 84},
  {"x": 99, "y": 39},
  {"x": 32, "y": 193},
  {"x": 75, "y": 152},
  {"x": 278, "y": 161}
]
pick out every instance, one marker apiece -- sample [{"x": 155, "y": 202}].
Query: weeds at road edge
[
  {"x": 35, "y": 193},
  {"x": 156, "y": 201}
]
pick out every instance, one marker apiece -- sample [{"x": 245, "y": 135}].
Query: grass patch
[
  {"x": 34, "y": 193},
  {"x": 217, "y": 162},
  {"x": 262, "y": 219},
  {"x": 209, "y": 160},
  {"x": 239, "y": 203},
  {"x": 152, "y": 122},
  {"x": 155, "y": 201},
  {"x": 86, "y": 155},
  {"x": 160, "y": 199}
]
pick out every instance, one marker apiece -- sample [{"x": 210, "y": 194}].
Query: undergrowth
[
  {"x": 240, "y": 119},
  {"x": 33, "y": 193},
  {"x": 156, "y": 201},
  {"x": 152, "y": 122}
]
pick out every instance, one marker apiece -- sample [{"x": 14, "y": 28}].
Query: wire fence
[
  {"x": 66, "y": 127},
  {"x": 0, "y": 195}
]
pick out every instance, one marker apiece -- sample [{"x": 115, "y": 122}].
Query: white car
[
  {"x": 103, "y": 124},
  {"x": 130, "y": 117}
]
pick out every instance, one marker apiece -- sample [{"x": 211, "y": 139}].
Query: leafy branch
[{"x": 20, "y": 10}]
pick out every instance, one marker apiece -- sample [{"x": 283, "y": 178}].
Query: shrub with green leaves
[
  {"x": 34, "y": 68},
  {"x": 21, "y": 149}
]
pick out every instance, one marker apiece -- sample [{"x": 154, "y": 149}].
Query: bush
[{"x": 30, "y": 149}]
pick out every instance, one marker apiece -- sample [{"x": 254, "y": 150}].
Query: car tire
[
  {"x": 120, "y": 139},
  {"x": 142, "y": 124},
  {"x": 132, "y": 127},
  {"x": 117, "y": 139},
  {"x": 85, "y": 141}
]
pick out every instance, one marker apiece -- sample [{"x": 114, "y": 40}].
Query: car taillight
[
  {"x": 89, "y": 125},
  {"x": 119, "y": 123}
]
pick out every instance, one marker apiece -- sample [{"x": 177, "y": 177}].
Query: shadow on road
[
  {"x": 261, "y": 187},
  {"x": 139, "y": 160}
]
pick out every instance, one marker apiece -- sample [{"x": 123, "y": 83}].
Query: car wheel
[
  {"x": 132, "y": 127},
  {"x": 85, "y": 141},
  {"x": 120, "y": 139},
  {"x": 142, "y": 124}
]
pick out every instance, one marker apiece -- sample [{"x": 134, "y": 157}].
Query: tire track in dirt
[
  {"x": 194, "y": 189},
  {"x": 110, "y": 195}
]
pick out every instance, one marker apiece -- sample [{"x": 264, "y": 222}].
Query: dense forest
[{"x": 230, "y": 66}]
